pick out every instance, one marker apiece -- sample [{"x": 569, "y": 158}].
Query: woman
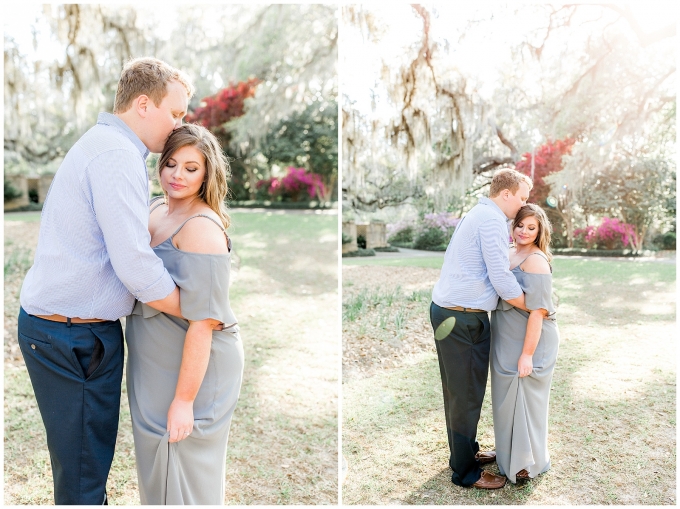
[
  {"x": 523, "y": 353},
  {"x": 184, "y": 375}
]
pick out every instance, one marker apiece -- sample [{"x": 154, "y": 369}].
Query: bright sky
[{"x": 482, "y": 54}]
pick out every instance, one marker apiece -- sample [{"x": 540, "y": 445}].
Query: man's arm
[
  {"x": 120, "y": 203},
  {"x": 493, "y": 240}
]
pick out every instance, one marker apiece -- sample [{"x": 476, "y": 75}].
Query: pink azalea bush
[
  {"x": 292, "y": 186},
  {"x": 610, "y": 234},
  {"x": 401, "y": 231},
  {"x": 445, "y": 221}
]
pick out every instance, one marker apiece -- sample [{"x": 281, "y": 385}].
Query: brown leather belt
[
  {"x": 467, "y": 310},
  {"x": 64, "y": 319}
]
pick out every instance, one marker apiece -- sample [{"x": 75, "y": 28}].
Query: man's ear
[{"x": 141, "y": 103}]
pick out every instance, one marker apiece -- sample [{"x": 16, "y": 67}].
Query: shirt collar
[
  {"x": 115, "y": 122},
  {"x": 487, "y": 201}
]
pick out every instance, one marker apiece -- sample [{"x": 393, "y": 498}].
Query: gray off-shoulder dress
[
  {"x": 520, "y": 405},
  {"x": 191, "y": 471}
]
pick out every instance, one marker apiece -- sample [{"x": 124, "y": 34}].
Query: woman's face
[
  {"x": 184, "y": 173},
  {"x": 526, "y": 231}
]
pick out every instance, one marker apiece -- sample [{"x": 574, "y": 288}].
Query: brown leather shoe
[
  {"x": 489, "y": 481},
  {"x": 485, "y": 457},
  {"x": 522, "y": 474}
]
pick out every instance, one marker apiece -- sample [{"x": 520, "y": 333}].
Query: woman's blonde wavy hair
[
  {"x": 214, "y": 189},
  {"x": 544, "y": 226}
]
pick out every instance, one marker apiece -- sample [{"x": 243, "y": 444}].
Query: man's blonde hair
[
  {"x": 147, "y": 76},
  {"x": 508, "y": 179}
]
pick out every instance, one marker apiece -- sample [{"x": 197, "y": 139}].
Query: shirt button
[{"x": 33, "y": 346}]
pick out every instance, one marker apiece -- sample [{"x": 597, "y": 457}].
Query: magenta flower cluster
[
  {"x": 610, "y": 234},
  {"x": 298, "y": 179},
  {"x": 294, "y": 183}
]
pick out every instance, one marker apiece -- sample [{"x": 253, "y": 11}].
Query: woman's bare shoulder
[
  {"x": 536, "y": 263},
  {"x": 203, "y": 235}
]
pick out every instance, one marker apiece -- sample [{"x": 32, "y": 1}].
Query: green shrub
[
  {"x": 359, "y": 252},
  {"x": 346, "y": 239},
  {"x": 11, "y": 192},
  {"x": 404, "y": 235},
  {"x": 665, "y": 241},
  {"x": 430, "y": 239}
]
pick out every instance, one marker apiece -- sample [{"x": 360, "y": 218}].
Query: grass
[
  {"x": 433, "y": 262},
  {"x": 354, "y": 306},
  {"x": 283, "y": 441},
  {"x": 17, "y": 260},
  {"x": 612, "y": 425},
  {"x": 24, "y": 217}
]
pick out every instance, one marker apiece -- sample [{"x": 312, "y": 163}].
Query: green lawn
[
  {"x": 612, "y": 417},
  {"x": 283, "y": 441},
  {"x": 434, "y": 262}
]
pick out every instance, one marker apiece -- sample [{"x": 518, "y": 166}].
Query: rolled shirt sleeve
[
  {"x": 120, "y": 204},
  {"x": 493, "y": 240}
]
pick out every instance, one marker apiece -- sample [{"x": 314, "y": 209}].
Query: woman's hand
[
  {"x": 180, "y": 419},
  {"x": 525, "y": 365}
]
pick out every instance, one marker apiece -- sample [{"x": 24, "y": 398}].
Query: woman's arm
[
  {"x": 200, "y": 235},
  {"x": 195, "y": 359},
  {"x": 534, "y": 326},
  {"x": 533, "y": 265}
]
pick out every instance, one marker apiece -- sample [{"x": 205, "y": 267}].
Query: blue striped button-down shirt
[
  {"x": 476, "y": 268},
  {"x": 93, "y": 257}
]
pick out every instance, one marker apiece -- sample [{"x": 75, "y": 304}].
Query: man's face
[
  {"x": 517, "y": 201},
  {"x": 166, "y": 117}
]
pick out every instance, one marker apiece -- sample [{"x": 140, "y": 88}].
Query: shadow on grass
[
  {"x": 298, "y": 251},
  {"x": 604, "y": 289},
  {"x": 439, "y": 490},
  {"x": 283, "y": 447}
]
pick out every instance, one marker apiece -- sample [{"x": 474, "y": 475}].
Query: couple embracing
[
  {"x": 481, "y": 274},
  {"x": 104, "y": 252}
]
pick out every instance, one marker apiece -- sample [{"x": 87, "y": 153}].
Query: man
[
  {"x": 92, "y": 261},
  {"x": 475, "y": 273}
]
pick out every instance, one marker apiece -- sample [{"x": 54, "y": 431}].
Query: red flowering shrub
[
  {"x": 610, "y": 234},
  {"x": 225, "y": 105},
  {"x": 547, "y": 160}
]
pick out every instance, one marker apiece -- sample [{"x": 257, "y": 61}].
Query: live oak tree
[{"x": 585, "y": 73}]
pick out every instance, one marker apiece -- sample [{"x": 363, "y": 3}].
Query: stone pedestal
[
  {"x": 374, "y": 233},
  {"x": 350, "y": 228}
]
